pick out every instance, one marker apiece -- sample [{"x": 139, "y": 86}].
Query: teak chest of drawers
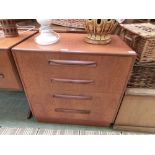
[
  {"x": 73, "y": 81},
  {"x": 9, "y": 78}
]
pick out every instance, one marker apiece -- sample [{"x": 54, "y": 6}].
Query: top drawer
[
  {"x": 76, "y": 72},
  {"x": 9, "y": 78}
]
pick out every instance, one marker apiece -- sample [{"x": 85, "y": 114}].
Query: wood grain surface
[
  {"x": 10, "y": 80},
  {"x": 137, "y": 111}
]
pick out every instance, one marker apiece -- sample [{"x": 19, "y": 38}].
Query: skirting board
[{"x": 134, "y": 128}]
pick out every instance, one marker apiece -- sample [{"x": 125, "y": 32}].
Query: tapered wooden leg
[{"x": 29, "y": 114}]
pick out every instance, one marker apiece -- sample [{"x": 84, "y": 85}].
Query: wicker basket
[
  {"x": 75, "y": 23},
  {"x": 141, "y": 38},
  {"x": 9, "y": 27},
  {"x": 143, "y": 75}
]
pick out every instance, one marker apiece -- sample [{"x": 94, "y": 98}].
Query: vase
[{"x": 99, "y": 30}]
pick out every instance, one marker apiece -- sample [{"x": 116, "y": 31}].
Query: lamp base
[{"x": 47, "y": 38}]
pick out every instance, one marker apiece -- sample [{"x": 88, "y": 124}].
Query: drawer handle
[
  {"x": 72, "y": 97},
  {"x": 1, "y": 76},
  {"x": 73, "y": 81},
  {"x": 72, "y": 62},
  {"x": 72, "y": 111}
]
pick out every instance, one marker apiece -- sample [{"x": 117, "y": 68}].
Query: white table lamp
[{"x": 47, "y": 36}]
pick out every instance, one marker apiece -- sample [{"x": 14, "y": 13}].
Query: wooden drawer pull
[
  {"x": 72, "y": 111},
  {"x": 1, "y": 76},
  {"x": 72, "y": 81},
  {"x": 72, "y": 62},
  {"x": 72, "y": 97}
]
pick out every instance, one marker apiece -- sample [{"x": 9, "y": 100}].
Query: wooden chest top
[
  {"x": 7, "y": 43},
  {"x": 74, "y": 43}
]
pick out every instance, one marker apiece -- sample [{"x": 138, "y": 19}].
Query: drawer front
[
  {"x": 9, "y": 78},
  {"x": 78, "y": 72},
  {"x": 138, "y": 111},
  {"x": 99, "y": 109},
  {"x": 88, "y": 72}
]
